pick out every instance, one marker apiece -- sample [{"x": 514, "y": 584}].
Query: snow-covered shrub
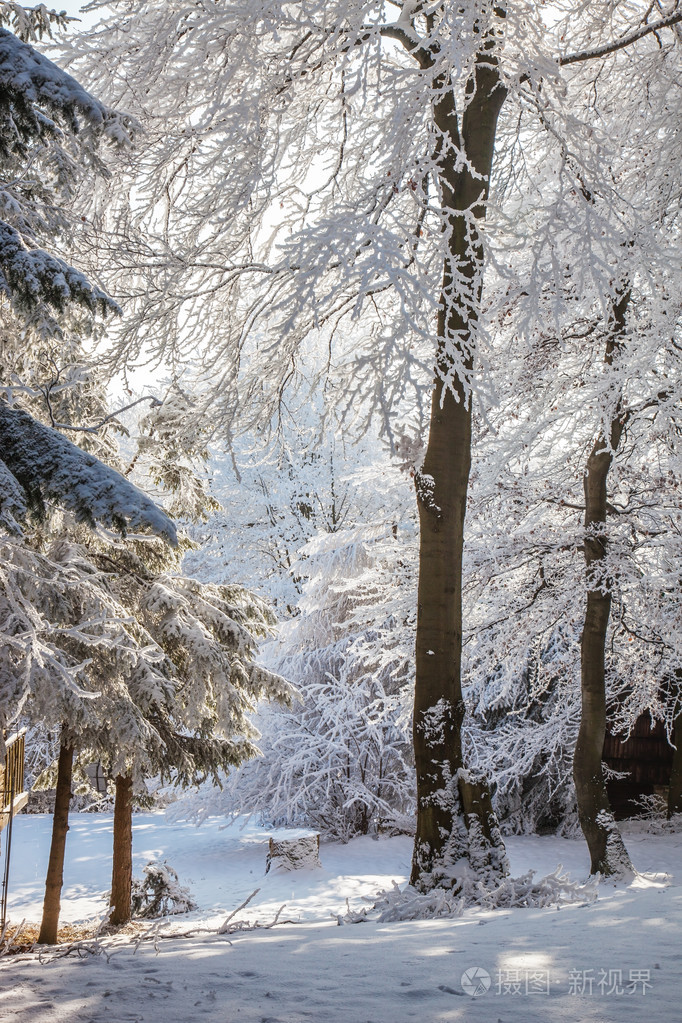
[
  {"x": 341, "y": 762},
  {"x": 159, "y": 893}
]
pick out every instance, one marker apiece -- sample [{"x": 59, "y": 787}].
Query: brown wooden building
[{"x": 647, "y": 757}]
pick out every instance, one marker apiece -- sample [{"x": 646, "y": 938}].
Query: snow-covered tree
[
  {"x": 574, "y": 492},
  {"x": 325, "y": 172},
  {"x": 159, "y": 669},
  {"x": 102, "y": 640},
  {"x": 50, "y": 128},
  {"x": 169, "y": 687}
]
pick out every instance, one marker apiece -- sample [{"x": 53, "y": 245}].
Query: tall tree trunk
[
  {"x": 55, "y": 869},
  {"x": 608, "y": 855},
  {"x": 675, "y": 790},
  {"x": 122, "y": 870},
  {"x": 442, "y": 482}
]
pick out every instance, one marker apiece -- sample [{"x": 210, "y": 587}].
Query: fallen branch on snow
[
  {"x": 81, "y": 949},
  {"x": 229, "y": 926},
  {"x": 513, "y": 892}
]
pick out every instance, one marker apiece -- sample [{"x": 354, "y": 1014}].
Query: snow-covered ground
[{"x": 616, "y": 959}]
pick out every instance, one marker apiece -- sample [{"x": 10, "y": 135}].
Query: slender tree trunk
[
  {"x": 608, "y": 855},
  {"x": 442, "y": 482},
  {"x": 675, "y": 790},
  {"x": 55, "y": 870},
  {"x": 122, "y": 870}
]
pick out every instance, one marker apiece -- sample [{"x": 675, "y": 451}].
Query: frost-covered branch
[{"x": 627, "y": 39}]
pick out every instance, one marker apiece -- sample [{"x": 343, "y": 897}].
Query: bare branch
[
  {"x": 224, "y": 928},
  {"x": 155, "y": 403}
]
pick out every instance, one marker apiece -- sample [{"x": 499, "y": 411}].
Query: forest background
[{"x": 318, "y": 385}]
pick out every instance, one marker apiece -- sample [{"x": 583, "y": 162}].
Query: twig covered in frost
[
  {"x": 225, "y": 927},
  {"x": 7, "y": 940},
  {"x": 81, "y": 949}
]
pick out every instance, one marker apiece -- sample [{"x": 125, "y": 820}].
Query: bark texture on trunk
[
  {"x": 122, "y": 869},
  {"x": 55, "y": 869},
  {"x": 608, "y": 855},
  {"x": 442, "y": 482},
  {"x": 675, "y": 790}
]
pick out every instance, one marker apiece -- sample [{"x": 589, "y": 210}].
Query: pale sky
[{"x": 73, "y": 7}]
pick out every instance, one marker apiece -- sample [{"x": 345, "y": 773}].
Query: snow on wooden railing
[{"x": 12, "y": 777}]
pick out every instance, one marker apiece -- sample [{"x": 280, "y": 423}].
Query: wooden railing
[{"x": 13, "y": 774}]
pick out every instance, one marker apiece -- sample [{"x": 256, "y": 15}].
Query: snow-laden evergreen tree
[
  {"x": 166, "y": 679},
  {"x": 50, "y": 130},
  {"x": 156, "y": 671}
]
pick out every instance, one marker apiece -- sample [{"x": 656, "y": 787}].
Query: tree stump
[{"x": 294, "y": 853}]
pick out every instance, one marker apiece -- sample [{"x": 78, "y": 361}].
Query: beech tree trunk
[
  {"x": 442, "y": 483},
  {"x": 49, "y": 926},
  {"x": 122, "y": 870},
  {"x": 675, "y": 790},
  {"x": 607, "y": 850}
]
